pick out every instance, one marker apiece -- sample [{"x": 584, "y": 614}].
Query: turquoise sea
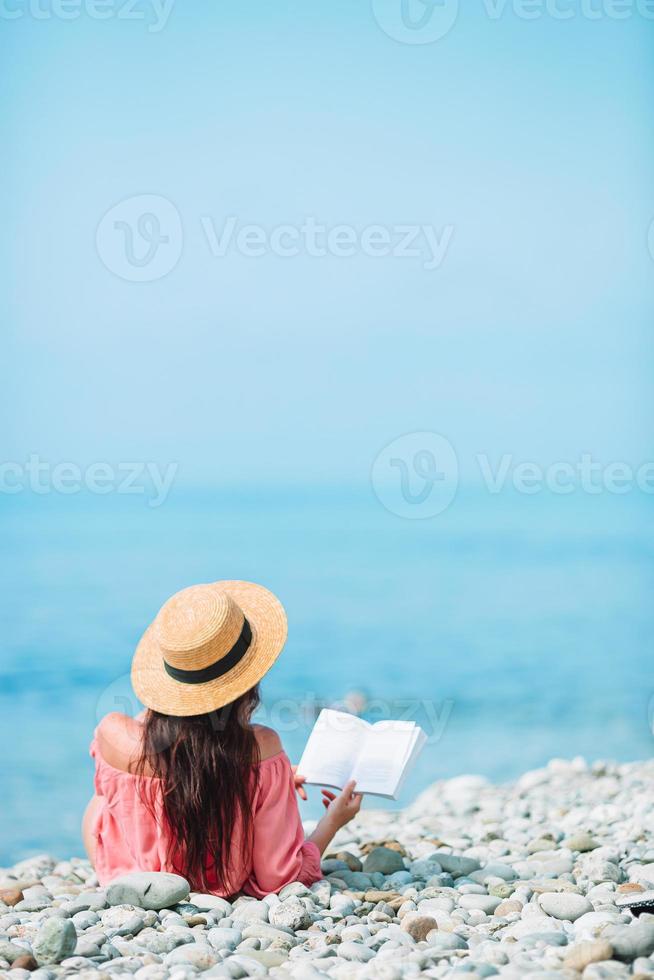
[{"x": 512, "y": 628}]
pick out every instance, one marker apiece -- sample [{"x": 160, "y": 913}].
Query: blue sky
[{"x": 530, "y": 139}]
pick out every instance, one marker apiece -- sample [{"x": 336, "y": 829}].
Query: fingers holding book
[
  {"x": 327, "y": 797},
  {"x": 299, "y": 780},
  {"x": 344, "y": 806},
  {"x": 339, "y": 809}
]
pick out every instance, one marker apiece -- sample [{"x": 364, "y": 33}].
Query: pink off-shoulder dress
[{"x": 130, "y": 837}]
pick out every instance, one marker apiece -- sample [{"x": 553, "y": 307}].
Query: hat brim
[{"x": 157, "y": 690}]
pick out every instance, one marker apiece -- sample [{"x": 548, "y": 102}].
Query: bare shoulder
[
  {"x": 119, "y": 740},
  {"x": 269, "y": 741}
]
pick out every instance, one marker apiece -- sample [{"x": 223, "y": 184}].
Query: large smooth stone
[
  {"x": 55, "y": 941},
  {"x": 632, "y": 941},
  {"x": 210, "y": 903},
  {"x": 355, "y": 951},
  {"x": 582, "y": 842},
  {"x": 148, "y": 890},
  {"x": 222, "y": 937},
  {"x": 250, "y": 910},
  {"x": 564, "y": 905},
  {"x": 342, "y": 904},
  {"x": 383, "y": 860},
  {"x": 356, "y": 880},
  {"x": 456, "y": 864}
]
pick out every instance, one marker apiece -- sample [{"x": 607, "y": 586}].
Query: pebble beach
[{"x": 532, "y": 879}]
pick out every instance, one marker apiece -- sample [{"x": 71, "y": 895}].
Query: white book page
[
  {"x": 383, "y": 757},
  {"x": 333, "y": 747},
  {"x": 419, "y": 742}
]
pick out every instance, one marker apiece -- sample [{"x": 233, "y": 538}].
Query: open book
[{"x": 343, "y": 747}]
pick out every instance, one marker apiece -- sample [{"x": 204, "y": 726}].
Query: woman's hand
[
  {"x": 345, "y": 806},
  {"x": 299, "y": 780},
  {"x": 339, "y": 809}
]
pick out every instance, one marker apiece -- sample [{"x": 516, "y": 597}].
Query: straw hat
[{"x": 208, "y": 645}]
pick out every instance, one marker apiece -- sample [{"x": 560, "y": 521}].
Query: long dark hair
[{"x": 206, "y": 764}]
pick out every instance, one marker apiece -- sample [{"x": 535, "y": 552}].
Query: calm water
[{"x": 512, "y": 629}]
